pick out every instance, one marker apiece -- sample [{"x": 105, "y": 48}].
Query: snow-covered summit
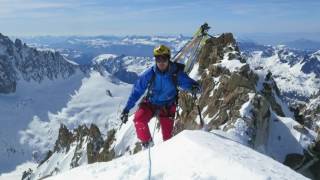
[{"x": 189, "y": 155}]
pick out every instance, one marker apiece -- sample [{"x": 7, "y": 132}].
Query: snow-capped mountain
[
  {"x": 32, "y": 83},
  {"x": 21, "y": 62},
  {"x": 297, "y": 75},
  {"x": 237, "y": 103},
  {"x": 98, "y": 100},
  {"x": 125, "y": 68},
  {"x": 296, "y": 72}
]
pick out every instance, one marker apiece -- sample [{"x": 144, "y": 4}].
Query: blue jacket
[{"x": 163, "y": 90}]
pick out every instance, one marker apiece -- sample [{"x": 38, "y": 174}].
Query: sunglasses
[{"x": 161, "y": 59}]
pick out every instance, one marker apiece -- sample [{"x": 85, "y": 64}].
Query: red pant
[{"x": 143, "y": 115}]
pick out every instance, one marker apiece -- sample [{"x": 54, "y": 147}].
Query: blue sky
[{"x": 160, "y": 17}]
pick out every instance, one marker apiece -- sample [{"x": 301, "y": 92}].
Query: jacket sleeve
[
  {"x": 138, "y": 89},
  {"x": 185, "y": 82}
]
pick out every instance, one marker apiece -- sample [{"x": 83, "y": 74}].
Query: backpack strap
[
  {"x": 150, "y": 83},
  {"x": 175, "y": 82},
  {"x": 180, "y": 67},
  {"x": 175, "y": 79}
]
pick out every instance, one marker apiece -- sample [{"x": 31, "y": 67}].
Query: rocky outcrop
[
  {"x": 311, "y": 112},
  {"x": 83, "y": 145},
  {"x": 107, "y": 153},
  {"x": 236, "y": 100},
  {"x": 225, "y": 92},
  {"x": 64, "y": 139},
  {"x": 307, "y": 163},
  {"x": 308, "y": 114}
]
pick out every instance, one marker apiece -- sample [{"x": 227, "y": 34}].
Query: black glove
[
  {"x": 124, "y": 116},
  {"x": 195, "y": 89}
]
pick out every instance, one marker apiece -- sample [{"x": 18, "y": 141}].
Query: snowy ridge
[{"x": 189, "y": 155}]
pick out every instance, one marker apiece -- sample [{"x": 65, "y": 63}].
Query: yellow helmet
[{"x": 161, "y": 50}]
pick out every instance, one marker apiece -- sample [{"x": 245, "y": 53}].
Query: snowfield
[
  {"x": 189, "y": 155},
  {"x": 31, "y": 117},
  {"x": 91, "y": 103},
  {"x": 32, "y": 100}
]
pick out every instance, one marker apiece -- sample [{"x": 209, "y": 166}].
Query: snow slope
[
  {"x": 17, "y": 173},
  {"x": 189, "y": 155},
  {"x": 90, "y": 104},
  {"x": 284, "y": 139},
  {"x": 31, "y": 100},
  {"x": 31, "y": 117}
]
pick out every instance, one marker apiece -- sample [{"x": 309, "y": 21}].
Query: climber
[
  {"x": 161, "y": 82},
  {"x": 204, "y": 29}
]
